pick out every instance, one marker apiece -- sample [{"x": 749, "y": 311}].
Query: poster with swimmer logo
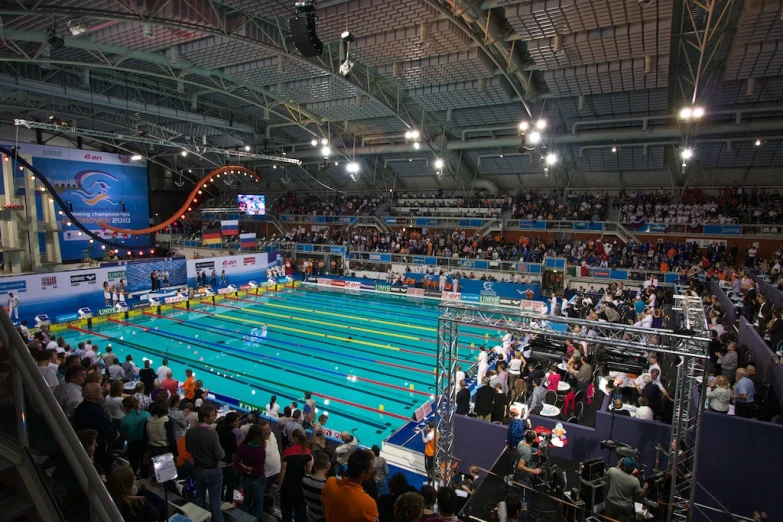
[{"x": 97, "y": 186}]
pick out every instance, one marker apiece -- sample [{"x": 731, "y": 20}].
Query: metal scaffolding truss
[
  {"x": 148, "y": 140},
  {"x": 691, "y": 349}
]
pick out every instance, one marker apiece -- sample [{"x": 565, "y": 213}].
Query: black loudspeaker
[{"x": 303, "y": 33}]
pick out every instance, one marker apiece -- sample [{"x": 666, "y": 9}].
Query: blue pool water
[{"x": 369, "y": 360}]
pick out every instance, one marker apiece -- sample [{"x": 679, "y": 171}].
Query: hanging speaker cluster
[{"x": 303, "y": 30}]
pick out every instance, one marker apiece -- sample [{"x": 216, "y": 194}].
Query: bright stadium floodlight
[
  {"x": 314, "y": 142},
  {"x": 687, "y": 153},
  {"x": 541, "y": 124},
  {"x": 534, "y": 137},
  {"x": 551, "y": 158},
  {"x": 352, "y": 167},
  {"x": 438, "y": 163},
  {"x": 325, "y": 151},
  {"x": 136, "y": 157},
  {"x": 523, "y": 126}
]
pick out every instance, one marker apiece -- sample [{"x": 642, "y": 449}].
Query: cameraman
[
  {"x": 623, "y": 489},
  {"x": 526, "y": 468}
]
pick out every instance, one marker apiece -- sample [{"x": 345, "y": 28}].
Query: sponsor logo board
[
  {"x": 451, "y": 295},
  {"x": 249, "y": 261},
  {"x": 367, "y": 286},
  {"x": 106, "y": 311},
  {"x": 489, "y": 299},
  {"x": 78, "y": 280},
  {"x": 433, "y": 293},
  {"x": 418, "y": 292},
  {"x": 353, "y": 285},
  {"x": 383, "y": 288},
  {"x": 399, "y": 289},
  {"x": 222, "y": 291},
  {"x": 205, "y": 265},
  {"x": 48, "y": 282},
  {"x": 13, "y": 286},
  {"x": 143, "y": 304},
  {"x": 338, "y": 282},
  {"x": 98, "y": 320},
  {"x": 510, "y": 302},
  {"x": 174, "y": 299}
]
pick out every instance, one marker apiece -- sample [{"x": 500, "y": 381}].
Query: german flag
[{"x": 212, "y": 237}]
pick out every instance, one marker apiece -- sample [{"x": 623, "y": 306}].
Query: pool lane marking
[
  {"x": 332, "y": 314},
  {"x": 218, "y": 317},
  {"x": 236, "y": 335},
  {"x": 126, "y": 323},
  {"x": 294, "y": 365},
  {"x": 329, "y": 299},
  {"x": 241, "y": 381},
  {"x": 322, "y": 323},
  {"x": 305, "y": 332}
]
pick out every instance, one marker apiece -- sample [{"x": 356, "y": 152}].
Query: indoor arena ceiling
[{"x": 609, "y": 77}]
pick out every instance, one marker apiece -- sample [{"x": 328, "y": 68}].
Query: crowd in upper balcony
[
  {"x": 696, "y": 207},
  {"x": 335, "y": 204}
]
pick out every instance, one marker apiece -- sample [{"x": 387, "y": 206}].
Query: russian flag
[
  {"x": 230, "y": 227},
  {"x": 247, "y": 240}
]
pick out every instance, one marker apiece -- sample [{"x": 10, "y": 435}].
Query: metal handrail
[{"x": 61, "y": 429}]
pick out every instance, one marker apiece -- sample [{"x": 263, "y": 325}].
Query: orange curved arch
[{"x": 206, "y": 179}]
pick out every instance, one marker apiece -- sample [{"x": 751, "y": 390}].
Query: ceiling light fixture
[
  {"x": 687, "y": 153},
  {"x": 136, "y": 157},
  {"x": 352, "y": 167},
  {"x": 523, "y": 126},
  {"x": 325, "y": 151},
  {"x": 416, "y": 145},
  {"x": 534, "y": 137},
  {"x": 541, "y": 124},
  {"x": 438, "y": 163},
  {"x": 551, "y": 158},
  {"x": 314, "y": 142}
]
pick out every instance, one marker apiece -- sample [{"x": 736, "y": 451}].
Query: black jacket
[
  {"x": 485, "y": 399},
  {"x": 463, "y": 401}
]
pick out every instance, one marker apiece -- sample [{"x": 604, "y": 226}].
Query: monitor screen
[{"x": 251, "y": 204}]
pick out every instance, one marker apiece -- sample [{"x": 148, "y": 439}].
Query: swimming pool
[{"x": 369, "y": 360}]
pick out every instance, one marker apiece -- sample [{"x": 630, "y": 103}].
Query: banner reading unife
[{"x": 100, "y": 187}]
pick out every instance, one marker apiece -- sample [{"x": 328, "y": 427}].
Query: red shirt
[{"x": 170, "y": 385}]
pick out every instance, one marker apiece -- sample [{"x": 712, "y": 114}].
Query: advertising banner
[
  {"x": 100, "y": 187},
  {"x": 239, "y": 269},
  {"x": 57, "y": 293},
  {"x": 417, "y": 292},
  {"x": 383, "y": 288},
  {"x": 452, "y": 295}
]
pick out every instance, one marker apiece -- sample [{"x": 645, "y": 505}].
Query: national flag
[
  {"x": 230, "y": 227},
  {"x": 212, "y": 237},
  {"x": 247, "y": 240}
]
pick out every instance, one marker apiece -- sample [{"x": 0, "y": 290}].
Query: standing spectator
[
  {"x": 128, "y": 368},
  {"x": 147, "y": 376},
  {"x": 249, "y": 462},
  {"x": 429, "y": 437},
  {"x": 228, "y": 441},
  {"x": 297, "y": 461},
  {"x": 719, "y": 395},
  {"x": 309, "y": 408},
  {"x": 169, "y": 384},
  {"x": 743, "y": 394},
  {"x": 160, "y": 430},
  {"x": 484, "y": 402},
  {"x": 500, "y": 404},
  {"x": 50, "y": 376},
  {"x": 313, "y": 485},
  {"x": 177, "y": 418},
  {"x": 189, "y": 386},
  {"x": 109, "y": 358},
  {"x": 408, "y": 507},
  {"x": 381, "y": 469},
  {"x": 143, "y": 398},
  {"x": 318, "y": 439},
  {"x": 463, "y": 399},
  {"x": 272, "y": 464},
  {"x": 448, "y": 502},
  {"x": 273, "y": 408},
  {"x": 430, "y": 497},
  {"x": 114, "y": 368},
  {"x": 132, "y": 427},
  {"x": 204, "y": 445},
  {"x": 344, "y": 451},
  {"x": 729, "y": 362},
  {"x": 294, "y": 424},
  {"x": 91, "y": 415},
  {"x": 69, "y": 393},
  {"x": 163, "y": 370},
  {"x": 344, "y": 499},
  {"x": 132, "y": 508},
  {"x": 114, "y": 403}
]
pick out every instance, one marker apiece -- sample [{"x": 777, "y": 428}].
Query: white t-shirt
[
  {"x": 460, "y": 376},
  {"x": 272, "y": 462},
  {"x": 163, "y": 372},
  {"x": 644, "y": 413},
  {"x": 482, "y": 358},
  {"x": 52, "y": 345},
  {"x": 515, "y": 367},
  {"x": 273, "y": 409},
  {"x": 49, "y": 376}
]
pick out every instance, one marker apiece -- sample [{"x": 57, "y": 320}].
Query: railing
[
  {"x": 37, "y": 411},
  {"x": 382, "y": 258}
]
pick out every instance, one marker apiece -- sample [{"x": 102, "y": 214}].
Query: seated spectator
[
  {"x": 133, "y": 508},
  {"x": 643, "y": 411}
]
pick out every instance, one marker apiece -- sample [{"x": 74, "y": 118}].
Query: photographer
[{"x": 624, "y": 488}]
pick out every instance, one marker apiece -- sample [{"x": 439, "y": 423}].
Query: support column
[
  {"x": 445, "y": 405},
  {"x": 33, "y": 248}
]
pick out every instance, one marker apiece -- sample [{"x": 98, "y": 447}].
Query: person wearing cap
[{"x": 624, "y": 488}]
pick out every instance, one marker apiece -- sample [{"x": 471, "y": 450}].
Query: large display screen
[{"x": 251, "y": 204}]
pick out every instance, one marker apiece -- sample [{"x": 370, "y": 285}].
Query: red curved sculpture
[{"x": 206, "y": 179}]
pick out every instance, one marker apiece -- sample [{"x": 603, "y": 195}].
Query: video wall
[{"x": 97, "y": 187}]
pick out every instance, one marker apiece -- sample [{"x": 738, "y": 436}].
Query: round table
[
  {"x": 563, "y": 386},
  {"x": 555, "y": 411},
  {"x": 561, "y": 366},
  {"x": 129, "y": 386}
]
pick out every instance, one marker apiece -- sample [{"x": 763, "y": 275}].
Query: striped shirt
[{"x": 312, "y": 492}]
